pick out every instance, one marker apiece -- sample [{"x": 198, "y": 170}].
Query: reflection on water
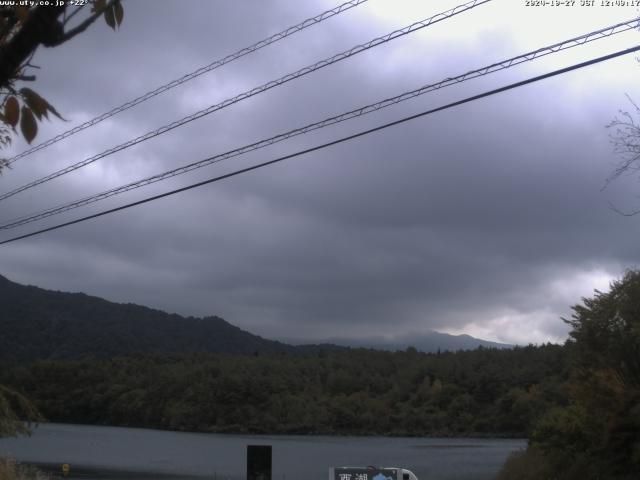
[
  {"x": 102, "y": 473},
  {"x": 130, "y": 453},
  {"x": 53, "y": 470}
]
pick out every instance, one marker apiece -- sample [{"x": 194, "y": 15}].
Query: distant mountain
[
  {"x": 42, "y": 324},
  {"x": 431, "y": 341}
]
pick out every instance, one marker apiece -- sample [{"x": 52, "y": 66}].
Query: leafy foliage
[
  {"x": 113, "y": 13},
  {"x": 42, "y": 324},
  {"x": 10, "y": 470},
  {"x": 598, "y": 434},
  {"x": 486, "y": 392},
  {"x": 107, "y": 363},
  {"x": 15, "y": 409},
  {"x": 526, "y": 465},
  {"x": 22, "y": 30}
]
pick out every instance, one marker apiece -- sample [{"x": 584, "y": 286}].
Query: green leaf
[
  {"x": 110, "y": 18},
  {"x": 28, "y": 124},
  {"x": 118, "y": 12},
  {"x": 12, "y": 111}
]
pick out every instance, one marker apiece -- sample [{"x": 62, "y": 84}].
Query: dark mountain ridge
[
  {"x": 42, "y": 324},
  {"x": 39, "y": 324},
  {"x": 429, "y": 342}
]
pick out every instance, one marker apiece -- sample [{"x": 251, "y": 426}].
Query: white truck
[{"x": 370, "y": 473}]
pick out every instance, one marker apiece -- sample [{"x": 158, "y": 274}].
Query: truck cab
[{"x": 370, "y": 473}]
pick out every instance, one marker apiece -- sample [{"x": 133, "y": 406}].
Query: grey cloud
[{"x": 461, "y": 218}]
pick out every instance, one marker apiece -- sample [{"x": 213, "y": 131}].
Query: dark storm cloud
[{"x": 486, "y": 218}]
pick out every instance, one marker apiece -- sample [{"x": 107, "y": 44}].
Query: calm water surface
[{"x": 132, "y": 453}]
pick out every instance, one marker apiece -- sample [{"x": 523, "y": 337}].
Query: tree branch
[
  {"x": 68, "y": 35},
  {"x": 632, "y": 213},
  {"x": 42, "y": 27},
  {"x": 71, "y": 15}
]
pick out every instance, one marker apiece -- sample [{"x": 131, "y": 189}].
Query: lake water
[{"x": 132, "y": 453}]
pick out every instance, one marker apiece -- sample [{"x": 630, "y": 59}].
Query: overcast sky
[{"x": 487, "y": 219}]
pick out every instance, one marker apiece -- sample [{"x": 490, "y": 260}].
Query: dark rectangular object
[{"x": 258, "y": 462}]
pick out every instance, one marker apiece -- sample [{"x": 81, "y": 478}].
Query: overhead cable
[
  {"x": 190, "y": 76},
  {"x": 250, "y": 93},
  {"x": 502, "y": 65},
  {"x": 331, "y": 143}
]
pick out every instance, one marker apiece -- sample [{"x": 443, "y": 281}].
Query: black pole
[{"x": 258, "y": 462}]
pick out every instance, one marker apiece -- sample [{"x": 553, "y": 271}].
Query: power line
[
  {"x": 196, "y": 73},
  {"x": 334, "y": 142},
  {"x": 267, "y": 86},
  {"x": 576, "y": 41}
]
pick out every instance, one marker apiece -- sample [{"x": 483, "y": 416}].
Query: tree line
[
  {"x": 485, "y": 392},
  {"x": 596, "y": 435},
  {"x": 578, "y": 403}
]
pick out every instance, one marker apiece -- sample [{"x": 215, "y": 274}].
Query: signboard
[{"x": 359, "y": 473}]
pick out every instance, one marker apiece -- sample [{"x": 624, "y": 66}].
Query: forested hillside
[
  {"x": 43, "y": 324},
  {"x": 482, "y": 392},
  {"x": 39, "y": 324},
  {"x": 597, "y": 434}
]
